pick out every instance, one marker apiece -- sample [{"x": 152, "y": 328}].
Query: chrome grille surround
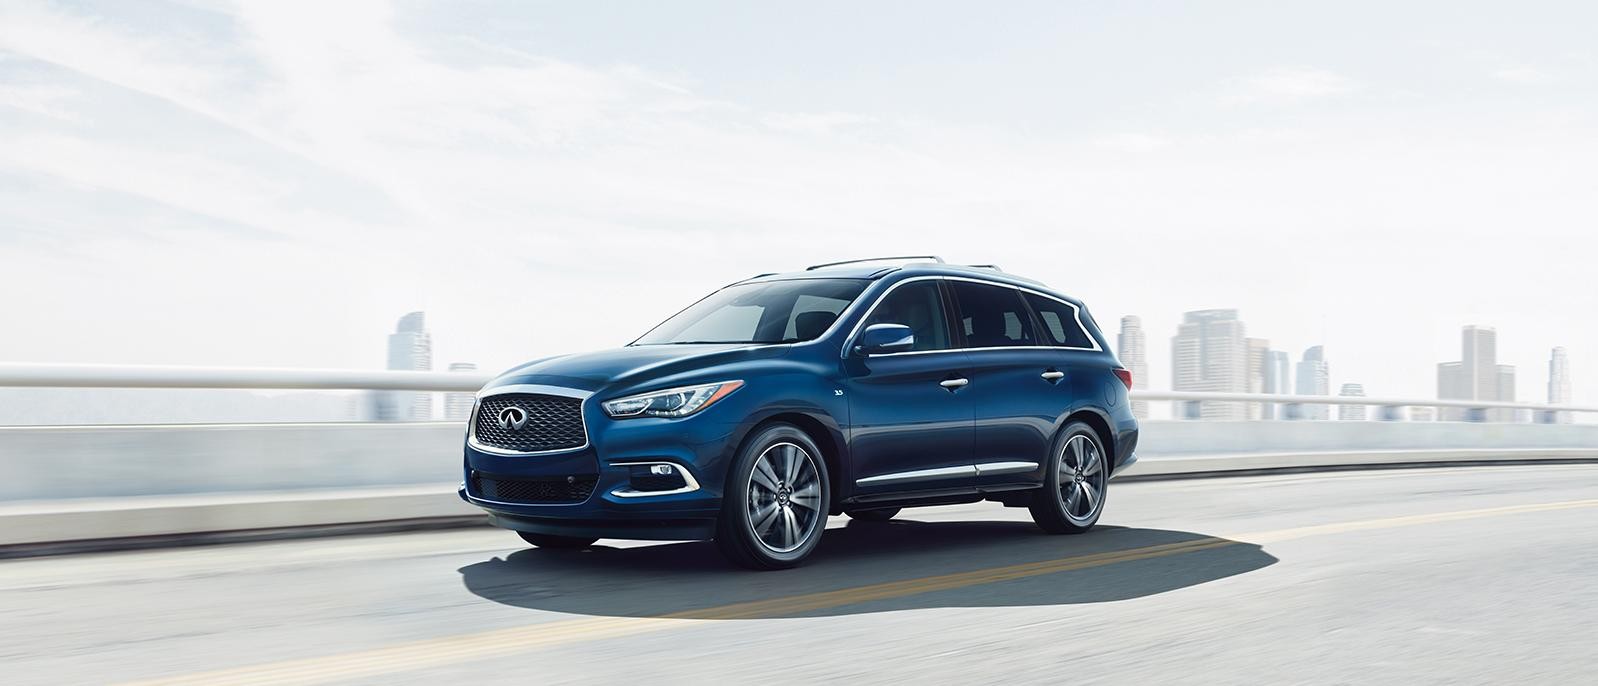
[{"x": 558, "y": 394}]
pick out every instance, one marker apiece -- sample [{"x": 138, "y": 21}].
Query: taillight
[{"x": 1125, "y": 375}]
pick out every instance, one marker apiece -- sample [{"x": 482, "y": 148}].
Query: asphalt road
[{"x": 1426, "y": 576}]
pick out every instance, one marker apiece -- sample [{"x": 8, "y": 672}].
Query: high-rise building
[
  {"x": 410, "y": 348},
  {"x": 1132, "y": 350},
  {"x": 1559, "y": 384},
  {"x": 1256, "y": 352},
  {"x": 1208, "y": 354},
  {"x": 458, "y": 406},
  {"x": 1278, "y": 379},
  {"x": 1476, "y": 376},
  {"x": 1351, "y": 412},
  {"x": 1314, "y": 378}
]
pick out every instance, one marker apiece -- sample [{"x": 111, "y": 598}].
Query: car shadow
[{"x": 1107, "y": 564}]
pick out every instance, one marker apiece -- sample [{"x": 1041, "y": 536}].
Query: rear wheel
[
  {"x": 878, "y": 515},
  {"x": 552, "y": 541},
  {"x": 774, "y": 507},
  {"x": 1074, "y": 489}
]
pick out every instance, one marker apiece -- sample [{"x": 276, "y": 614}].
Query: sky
[{"x": 275, "y": 183}]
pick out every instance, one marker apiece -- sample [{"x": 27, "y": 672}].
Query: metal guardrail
[
  {"x": 1286, "y": 399},
  {"x": 243, "y": 378},
  {"x": 256, "y": 378}
]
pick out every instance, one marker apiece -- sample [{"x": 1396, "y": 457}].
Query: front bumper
[{"x": 701, "y": 449}]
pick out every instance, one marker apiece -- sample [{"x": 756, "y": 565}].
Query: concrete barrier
[{"x": 78, "y": 488}]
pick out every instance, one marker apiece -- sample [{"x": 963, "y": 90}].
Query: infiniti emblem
[{"x": 512, "y": 418}]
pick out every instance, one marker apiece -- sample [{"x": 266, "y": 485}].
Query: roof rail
[
  {"x": 934, "y": 258},
  {"x": 994, "y": 267}
]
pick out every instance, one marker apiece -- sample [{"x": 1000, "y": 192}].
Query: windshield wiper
[{"x": 707, "y": 342}]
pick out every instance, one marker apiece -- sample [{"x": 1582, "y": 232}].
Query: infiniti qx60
[{"x": 855, "y": 388}]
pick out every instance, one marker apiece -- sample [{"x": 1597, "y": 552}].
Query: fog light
[{"x": 661, "y": 470}]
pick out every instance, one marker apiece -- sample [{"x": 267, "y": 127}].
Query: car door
[
  {"x": 1019, "y": 386},
  {"x": 909, "y": 413}
]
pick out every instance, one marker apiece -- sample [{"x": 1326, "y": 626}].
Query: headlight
[{"x": 672, "y": 402}]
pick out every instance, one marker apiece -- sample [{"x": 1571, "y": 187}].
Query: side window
[
  {"x": 992, "y": 316},
  {"x": 919, "y": 306},
  {"x": 1059, "y": 322}
]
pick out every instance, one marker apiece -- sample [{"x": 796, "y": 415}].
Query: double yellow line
[{"x": 498, "y": 643}]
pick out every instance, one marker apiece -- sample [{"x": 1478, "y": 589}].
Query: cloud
[
  {"x": 1290, "y": 84},
  {"x": 1523, "y": 75},
  {"x": 42, "y": 99},
  {"x": 1132, "y": 142}
]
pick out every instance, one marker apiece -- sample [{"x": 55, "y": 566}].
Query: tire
[
  {"x": 774, "y": 505},
  {"x": 878, "y": 515},
  {"x": 1075, "y": 483},
  {"x": 556, "y": 542}
]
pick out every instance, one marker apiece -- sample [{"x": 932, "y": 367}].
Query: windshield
[{"x": 767, "y": 312}]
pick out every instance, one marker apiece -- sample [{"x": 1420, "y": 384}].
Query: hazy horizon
[{"x": 274, "y": 184}]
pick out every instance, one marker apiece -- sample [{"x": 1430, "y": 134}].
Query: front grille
[
  {"x": 553, "y": 423},
  {"x": 558, "y": 489}
]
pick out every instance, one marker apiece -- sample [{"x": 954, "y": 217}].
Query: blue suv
[{"x": 849, "y": 388}]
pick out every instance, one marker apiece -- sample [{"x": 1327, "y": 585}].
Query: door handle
[
  {"x": 1053, "y": 375},
  {"x": 952, "y": 384}
]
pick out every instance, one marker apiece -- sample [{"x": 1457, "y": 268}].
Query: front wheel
[
  {"x": 553, "y": 541},
  {"x": 1074, "y": 487},
  {"x": 774, "y": 506}
]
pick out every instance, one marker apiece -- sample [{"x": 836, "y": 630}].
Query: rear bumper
[{"x": 1129, "y": 461}]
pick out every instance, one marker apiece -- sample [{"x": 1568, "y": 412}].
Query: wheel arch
[
  {"x": 822, "y": 430},
  {"x": 1100, "y": 425}
]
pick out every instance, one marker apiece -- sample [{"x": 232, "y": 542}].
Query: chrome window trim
[
  {"x": 690, "y": 484},
  {"x": 1075, "y": 309},
  {"x": 540, "y": 389}
]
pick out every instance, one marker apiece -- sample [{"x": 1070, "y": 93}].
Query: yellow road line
[{"x": 496, "y": 643}]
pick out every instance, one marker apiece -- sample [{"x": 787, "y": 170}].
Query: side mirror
[{"x": 885, "y": 338}]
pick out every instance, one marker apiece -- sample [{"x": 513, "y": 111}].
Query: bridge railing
[
  {"x": 64, "y": 485},
  {"x": 260, "y": 378}
]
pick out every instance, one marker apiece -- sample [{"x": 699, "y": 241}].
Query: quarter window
[
  {"x": 1059, "y": 322},
  {"x": 919, "y": 306},
  {"x": 992, "y": 316}
]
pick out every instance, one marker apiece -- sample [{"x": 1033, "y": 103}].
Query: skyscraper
[
  {"x": 1131, "y": 348},
  {"x": 1208, "y": 354},
  {"x": 410, "y": 348},
  {"x": 1314, "y": 378},
  {"x": 1256, "y": 352},
  {"x": 1351, "y": 412},
  {"x": 1559, "y": 383},
  {"x": 458, "y": 406},
  {"x": 1278, "y": 379},
  {"x": 1477, "y": 376}
]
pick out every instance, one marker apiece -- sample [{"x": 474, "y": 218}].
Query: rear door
[
  {"x": 910, "y": 414},
  {"x": 1020, "y": 385}
]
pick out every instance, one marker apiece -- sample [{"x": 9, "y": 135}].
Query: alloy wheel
[
  {"x": 784, "y": 497},
  {"x": 1082, "y": 477}
]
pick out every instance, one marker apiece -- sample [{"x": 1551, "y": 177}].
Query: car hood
[{"x": 631, "y": 365}]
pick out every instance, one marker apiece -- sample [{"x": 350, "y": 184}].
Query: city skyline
[{"x": 184, "y": 182}]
